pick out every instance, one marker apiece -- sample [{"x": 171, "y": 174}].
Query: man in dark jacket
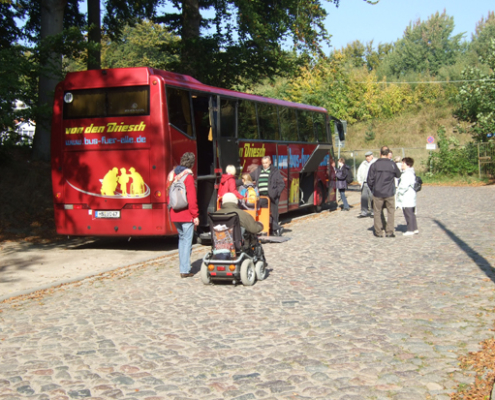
[
  {"x": 270, "y": 183},
  {"x": 382, "y": 184},
  {"x": 230, "y": 204}
]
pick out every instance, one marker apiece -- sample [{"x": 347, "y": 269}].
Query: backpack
[
  {"x": 417, "y": 184},
  {"x": 250, "y": 195},
  {"x": 177, "y": 195},
  {"x": 349, "y": 178}
]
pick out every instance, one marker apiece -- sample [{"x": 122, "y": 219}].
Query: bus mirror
[{"x": 340, "y": 130}]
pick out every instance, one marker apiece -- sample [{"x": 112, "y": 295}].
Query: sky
[{"x": 386, "y": 21}]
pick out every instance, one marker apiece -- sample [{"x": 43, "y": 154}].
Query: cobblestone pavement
[{"x": 342, "y": 315}]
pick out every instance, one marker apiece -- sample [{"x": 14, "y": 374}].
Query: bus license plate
[{"x": 107, "y": 214}]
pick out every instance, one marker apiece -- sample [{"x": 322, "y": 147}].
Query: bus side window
[
  {"x": 248, "y": 125},
  {"x": 268, "y": 121},
  {"x": 179, "y": 110},
  {"x": 321, "y": 134},
  {"x": 288, "y": 124},
  {"x": 227, "y": 118},
  {"x": 306, "y": 126}
]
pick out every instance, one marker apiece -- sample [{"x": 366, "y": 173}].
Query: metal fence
[
  {"x": 420, "y": 155},
  {"x": 486, "y": 158}
]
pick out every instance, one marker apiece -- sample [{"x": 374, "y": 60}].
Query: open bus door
[
  {"x": 205, "y": 142},
  {"x": 227, "y": 143},
  {"x": 308, "y": 180}
]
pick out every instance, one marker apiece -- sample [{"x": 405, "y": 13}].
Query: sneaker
[
  {"x": 416, "y": 231},
  {"x": 392, "y": 235},
  {"x": 408, "y": 233},
  {"x": 362, "y": 216}
]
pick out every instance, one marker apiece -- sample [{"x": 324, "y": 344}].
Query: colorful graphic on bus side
[{"x": 115, "y": 185}]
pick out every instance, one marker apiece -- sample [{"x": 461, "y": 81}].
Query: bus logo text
[
  {"x": 110, "y": 127},
  {"x": 252, "y": 151}
]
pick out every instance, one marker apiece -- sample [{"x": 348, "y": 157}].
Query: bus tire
[
  {"x": 204, "y": 274},
  {"x": 248, "y": 274},
  {"x": 320, "y": 197},
  {"x": 260, "y": 270}
]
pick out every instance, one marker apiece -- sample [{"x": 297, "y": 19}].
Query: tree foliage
[
  {"x": 484, "y": 33},
  {"x": 426, "y": 47},
  {"x": 477, "y": 96},
  {"x": 141, "y": 45},
  {"x": 244, "y": 38}
]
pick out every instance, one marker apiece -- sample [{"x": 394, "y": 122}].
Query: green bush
[{"x": 453, "y": 159}]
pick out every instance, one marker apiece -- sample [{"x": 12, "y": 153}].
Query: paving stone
[{"x": 341, "y": 315}]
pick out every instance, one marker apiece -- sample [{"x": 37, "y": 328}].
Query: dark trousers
[
  {"x": 379, "y": 204},
  {"x": 410, "y": 219},
  {"x": 273, "y": 213},
  {"x": 344, "y": 199},
  {"x": 366, "y": 199}
]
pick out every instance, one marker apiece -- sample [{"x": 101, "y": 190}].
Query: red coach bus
[{"x": 117, "y": 133}]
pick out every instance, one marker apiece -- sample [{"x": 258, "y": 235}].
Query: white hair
[{"x": 230, "y": 169}]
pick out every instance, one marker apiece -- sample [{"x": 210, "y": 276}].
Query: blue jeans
[
  {"x": 186, "y": 233},
  {"x": 344, "y": 199}
]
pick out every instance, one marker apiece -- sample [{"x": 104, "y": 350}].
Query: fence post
[
  {"x": 479, "y": 162},
  {"x": 354, "y": 163}
]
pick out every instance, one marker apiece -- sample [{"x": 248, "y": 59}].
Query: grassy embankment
[{"x": 408, "y": 132}]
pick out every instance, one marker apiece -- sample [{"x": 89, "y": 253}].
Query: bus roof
[{"x": 115, "y": 77}]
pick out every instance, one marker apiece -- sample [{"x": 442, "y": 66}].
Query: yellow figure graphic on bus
[
  {"x": 137, "y": 186},
  {"x": 112, "y": 179},
  {"x": 294, "y": 191},
  {"x": 123, "y": 180},
  {"x": 109, "y": 182}
]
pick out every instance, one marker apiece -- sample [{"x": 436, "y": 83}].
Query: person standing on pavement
[
  {"x": 406, "y": 196},
  {"x": 366, "y": 196},
  {"x": 270, "y": 183},
  {"x": 381, "y": 182},
  {"x": 185, "y": 220},
  {"x": 341, "y": 173}
]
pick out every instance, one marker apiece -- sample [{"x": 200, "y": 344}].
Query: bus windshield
[{"x": 107, "y": 102}]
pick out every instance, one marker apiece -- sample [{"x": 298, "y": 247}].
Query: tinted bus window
[
  {"x": 288, "y": 123},
  {"x": 248, "y": 125},
  {"x": 320, "y": 132},
  {"x": 111, "y": 102},
  {"x": 305, "y": 119},
  {"x": 268, "y": 121},
  {"x": 179, "y": 109},
  {"x": 227, "y": 118}
]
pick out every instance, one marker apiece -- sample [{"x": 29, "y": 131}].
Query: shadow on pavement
[
  {"x": 135, "y": 244},
  {"x": 479, "y": 260}
]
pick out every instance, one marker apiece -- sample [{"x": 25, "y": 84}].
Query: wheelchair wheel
[
  {"x": 248, "y": 274},
  {"x": 260, "y": 270},
  {"x": 204, "y": 274}
]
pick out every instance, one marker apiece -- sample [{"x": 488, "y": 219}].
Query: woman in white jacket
[{"x": 406, "y": 195}]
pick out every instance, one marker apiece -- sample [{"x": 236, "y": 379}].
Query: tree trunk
[
  {"x": 94, "y": 34},
  {"x": 52, "y": 15},
  {"x": 191, "y": 19}
]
